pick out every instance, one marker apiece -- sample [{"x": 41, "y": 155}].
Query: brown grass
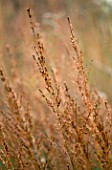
[{"x": 64, "y": 128}]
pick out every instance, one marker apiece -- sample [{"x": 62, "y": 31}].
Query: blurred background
[{"x": 92, "y": 22}]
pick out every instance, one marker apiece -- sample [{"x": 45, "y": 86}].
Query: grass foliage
[{"x": 55, "y": 125}]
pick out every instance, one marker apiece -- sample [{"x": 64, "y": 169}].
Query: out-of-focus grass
[{"x": 92, "y": 23}]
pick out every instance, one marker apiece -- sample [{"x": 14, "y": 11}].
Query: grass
[{"x": 60, "y": 127}]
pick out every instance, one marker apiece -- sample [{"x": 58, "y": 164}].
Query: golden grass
[{"x": 63, "y": 130}]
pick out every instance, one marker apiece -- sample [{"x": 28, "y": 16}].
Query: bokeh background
[{"x": 92, "y": 22}]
